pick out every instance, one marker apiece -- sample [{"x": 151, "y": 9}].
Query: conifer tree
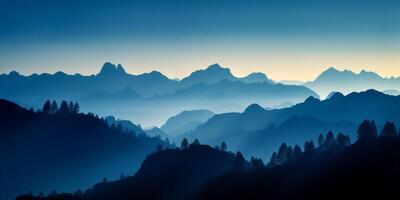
[
  {"x": 273, "y": 161},
  {"x": 330, "y": 139},
  {"x": 239, "y": 160},
  {"x": 320, "y": 140},
  {"x": 282, "y": 154},
  {"x": 46, "y": 107},
  {"x": 296, "y": 152},
  {"x": 367, "y": 130},
  {"x": 63, "y": 107},
  {"x": 71, "y": 107},
  {"x": 389, "y": 129},
  {"x": 76, "y": 108},
  {"x": 54, "y": 107},
  {"x": 196, "y": 142},
  {"x": 184, "y": 144},
  {"x": 224, "y": 147}
]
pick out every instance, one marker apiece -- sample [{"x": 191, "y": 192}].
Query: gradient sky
[{"x": 287, "y": 40}]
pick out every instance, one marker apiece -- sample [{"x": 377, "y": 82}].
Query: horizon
[{"x": 126, "y": 68}]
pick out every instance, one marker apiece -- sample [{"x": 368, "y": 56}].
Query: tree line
[
  {"x": 51, "y": 107},
  {"x": 367, "y": 130}
]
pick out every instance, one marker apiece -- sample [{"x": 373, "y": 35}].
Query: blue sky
[{"x": 177, "y": 37}]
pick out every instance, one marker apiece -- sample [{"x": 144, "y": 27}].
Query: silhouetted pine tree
[
  {"x": 296, "y": 152},
  {"x": 54, "y": 107},
  {"x": 348, "y": 140},
  {"x": 239, "y": 160},
  {"x": 341, "y": 140},
  {"x": 223, "y": 147},
  {"x": 273, "y": 161},
  {"x": 282, "y": 154},
  {"x": 309, "y": 146},
  {"x": 71, "y": 107},
  {"x": 289, "y": 154},
  {"x": 330, "y": 139},
  {"x": 63, "y": 107},
  {"x": 46, "y": 107},
  {"x": 196, "y": 142},
  {"x": 389, "y": 129},
  {"x": 257, "y": 163},
  {"x": 367, "y": 130},
  {"x": 184, "y": 144},
  {"x": 76, "y": 108},
  {"x": 320, "y": 140}
]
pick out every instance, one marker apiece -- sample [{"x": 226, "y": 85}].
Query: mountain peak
[
  {"x": 331, "y": 70},
  {"x": 212, "y": 74},
  {"x": 254, "y": 108},
  {"x": 110, "y": 69},
  {"x": 334, "y": 95},
  {"x": 311, "y": 99},
  {"x": 332, "y": 74},
  {"x": 256, "y": 77},
  {"x": 13, "y": 73},
  {"x": 120, "y": 69},
  {"x": 214, "y": 66}
]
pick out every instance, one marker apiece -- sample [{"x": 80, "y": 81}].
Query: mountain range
[
  {"x": 347, "y": 81},
  {"x": 257, "y": 131},
  {"x": 214, "y": 88},
  {"x": 185, "y": 121}
]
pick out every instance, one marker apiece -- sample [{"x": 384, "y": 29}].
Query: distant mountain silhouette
[
  {"x": 339, "y": 113},
  {"x": 239, "y": 90},
  {"x": 256, "y": 77},
  {"x": 347, "y": 81},
  {"x": 185, "y": 121},
  {"x": 109, "y": 70},
  {"x": 40, "y": 152},
  {"x": 126, "y": 94},
  {"x": 60, "y": 85},
  {"x": 215, "y": 73},
  {"x": 129, "y": 95}
]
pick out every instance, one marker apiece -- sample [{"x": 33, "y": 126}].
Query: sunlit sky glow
[{"x": 287, "y": 40}]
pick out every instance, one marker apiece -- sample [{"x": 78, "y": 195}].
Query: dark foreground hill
[
  {"x": 368, "y": 169},
  {"x": 364, "y": 170},
  {"x": 167, "y": 174},
  {"x": 64, "y": 151}
]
